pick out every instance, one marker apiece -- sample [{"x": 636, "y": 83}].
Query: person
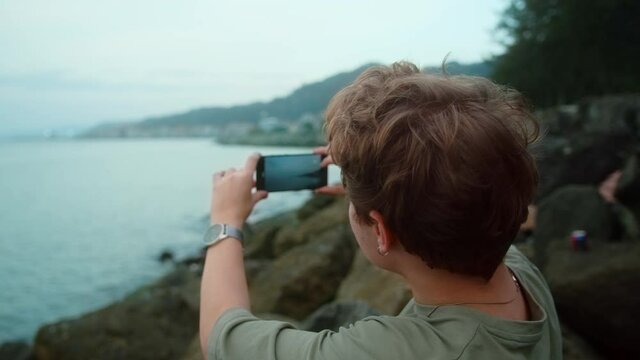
[{"x": 438, "y": 176}]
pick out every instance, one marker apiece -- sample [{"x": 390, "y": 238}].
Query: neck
[{"x": 440, "y": 287}]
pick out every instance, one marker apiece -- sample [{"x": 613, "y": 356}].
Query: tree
[{"x": 558, "y": 51}]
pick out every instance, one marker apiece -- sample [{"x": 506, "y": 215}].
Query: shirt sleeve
[{"x": 239, "y": 335}]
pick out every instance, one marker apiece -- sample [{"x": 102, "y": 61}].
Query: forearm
[{"x": 223, "y": 286}]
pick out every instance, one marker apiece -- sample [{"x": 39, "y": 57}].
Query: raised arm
[{"x": 224, "y": 283}]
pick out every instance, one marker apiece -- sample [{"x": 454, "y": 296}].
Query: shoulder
[
  {"x": 527, "y": 272},
  {"x": 239, "y": 335},
  {"x": 532, "y": 279}
]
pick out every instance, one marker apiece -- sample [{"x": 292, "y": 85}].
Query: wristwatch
[{"x": 219, "y": 232}]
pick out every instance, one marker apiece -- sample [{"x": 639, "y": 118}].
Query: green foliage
[
  {"x": 455, "y": 68},
  {"x": 559, "y": 51}
]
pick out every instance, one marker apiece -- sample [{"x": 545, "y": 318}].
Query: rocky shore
[{"x": 304, "y": 266}]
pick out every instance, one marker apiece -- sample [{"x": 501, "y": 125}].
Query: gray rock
[
  {"x": 584, "y": 159},
  {"x": 381, "y": 289},
  {"x": 575, "y": 347},
  {"x": 304, "y": 277},
  {"x": 628, "y": 189},
  {"x": 155, "y": 322},
  {"x": 260, "y": 236},
  {"x": 329, "y": 217},
  {"x": 574, "y": 207},
  {"x": 597, "y": 293},
  {"x": 315, "y": 204}
]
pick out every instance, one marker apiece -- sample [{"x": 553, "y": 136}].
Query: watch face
[{"x": 212, "y": 234}]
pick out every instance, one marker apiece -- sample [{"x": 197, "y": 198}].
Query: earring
[{"x": 382, "y": 253}]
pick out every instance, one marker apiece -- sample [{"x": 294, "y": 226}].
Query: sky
[{"x": 77, "y": 63}]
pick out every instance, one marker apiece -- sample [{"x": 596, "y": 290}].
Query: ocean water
[{"x": 82, "y": 222}]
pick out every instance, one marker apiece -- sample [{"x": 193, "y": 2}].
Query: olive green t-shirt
[{"x": 418, "y": 332}]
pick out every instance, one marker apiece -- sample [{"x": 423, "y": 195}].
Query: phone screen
[{"x": 290, "y": 172}]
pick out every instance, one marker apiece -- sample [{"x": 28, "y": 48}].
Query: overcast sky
[{"x": 82, "y": 62}]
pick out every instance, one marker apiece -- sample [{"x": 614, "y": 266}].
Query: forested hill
[
  {"x": 308, "y": 99},
  {"x": 311, "y": 98}
]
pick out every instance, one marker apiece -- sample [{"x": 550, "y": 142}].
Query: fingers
[
  {"x": 321, "y": 150},
  {"x": 324, "y": 150},
  {"x": 217, "y": 176},
  {"x": 335, "y": 190},
  {"x": 326, "y": 161},
  {"x": 259, "y": 195},
  {"x": 252, "y": 162}
]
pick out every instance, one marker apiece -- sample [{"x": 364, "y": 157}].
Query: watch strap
[
  {"x": 219, "y": 232},
  {"x": 233, "y": 232}
]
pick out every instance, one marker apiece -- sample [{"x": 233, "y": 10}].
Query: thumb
[{"x": 259, "y": 195}]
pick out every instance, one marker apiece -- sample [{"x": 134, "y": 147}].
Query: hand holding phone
[
  {"x": 232, "y": 199},
  {"x": 291, "y": 172},
  {"x": 335, "y": 189}
]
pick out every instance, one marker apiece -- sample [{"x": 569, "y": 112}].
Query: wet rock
[
  {"x": 597, "y": 293},
  {"x": 155, "y": 322},
  {"x": 15, "y": 350},
  {"x": 383, "y": 290},
  {"x": 304, "y": 277},
  {"x": 335, "y": 315}
]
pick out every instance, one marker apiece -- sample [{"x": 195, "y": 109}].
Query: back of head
[{"x": 444, "y": 159}]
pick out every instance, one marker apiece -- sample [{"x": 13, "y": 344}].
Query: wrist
[{"x": 235, "y": 222}]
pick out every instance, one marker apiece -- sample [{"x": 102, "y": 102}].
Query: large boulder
[
  {"x": 193, "y": 351},
  {"x": 628, "y": 187},
  {"x": 15, "y": 350},
  {"x": 575, "y": 347},
  {"x": 383, "y": 290},
  {"x": 586, "y": 159},
  {"x": 613, "y": 114},
  {"x": 155, "y": 322},
  {"x": 261, "y": 235},
  {"x": 335, "y": 315},
  {"x": 574, "y": 207},
  {"x": 271, "y": 237},
  {"x": 597, "y": 293},
  {"x": 315, "y": 204},
  {"x": 328, "y": 217},
  {"x": 304, "y": 277},
  {"x": 584, "y": 143}
]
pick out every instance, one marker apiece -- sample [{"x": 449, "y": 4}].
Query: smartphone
[{"x": 290, "y": 172}]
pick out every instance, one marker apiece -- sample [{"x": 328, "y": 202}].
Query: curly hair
[{"x": 443, "y": 158}]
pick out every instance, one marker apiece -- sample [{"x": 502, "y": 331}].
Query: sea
[{"x": 83, "y": 222}]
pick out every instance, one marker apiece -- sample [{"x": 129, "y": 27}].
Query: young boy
[{"x": 439, "y": 178}]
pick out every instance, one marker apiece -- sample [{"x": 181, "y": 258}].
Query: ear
[{"x": 384, "y": 236}]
